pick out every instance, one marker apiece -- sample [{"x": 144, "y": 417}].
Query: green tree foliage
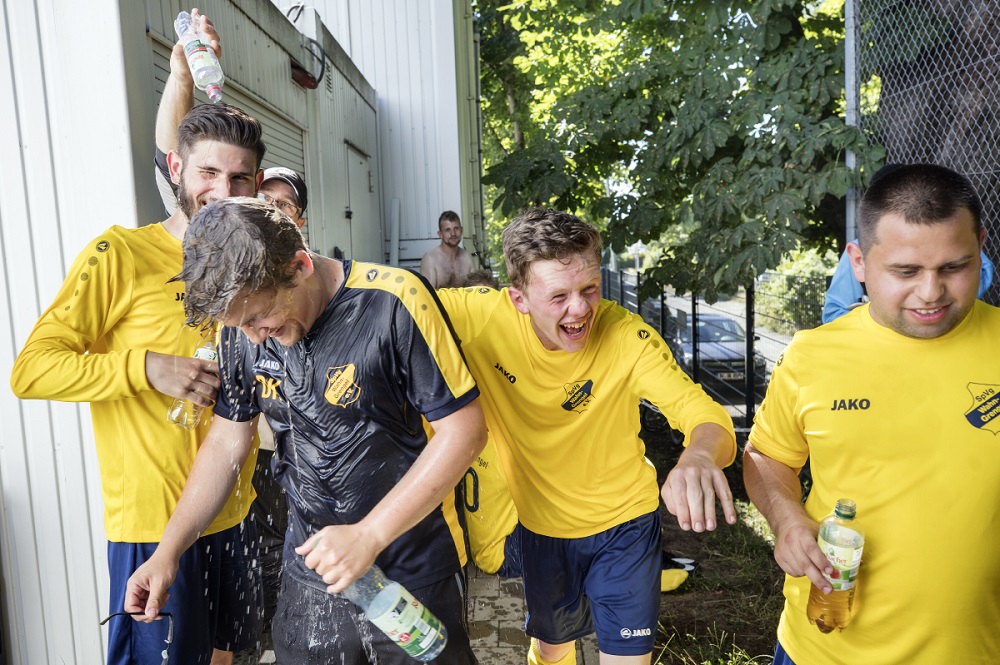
[
  {"x": 720, "y": 125},
  {"x": 792, "y": 297}
]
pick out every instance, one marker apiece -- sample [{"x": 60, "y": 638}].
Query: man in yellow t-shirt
[
  {"x": 115, "y": 336},
  {"x": 896, "y": 406},
  {"x": 562, "y": 372}
]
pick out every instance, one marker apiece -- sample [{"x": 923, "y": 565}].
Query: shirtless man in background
[{"x": 446, "y": 265}]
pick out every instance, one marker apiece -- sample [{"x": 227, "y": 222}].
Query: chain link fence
[
  {"x": 713, "y": 342},
  {"x": 926, "y": 88}
]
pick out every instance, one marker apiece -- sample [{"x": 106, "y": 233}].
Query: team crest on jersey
[
  {"x": 371, "y": 274},
  {"x": 579, "y": 394},
  {"x": 985, "y": 411},
  {"x": 341, "y": 390}
]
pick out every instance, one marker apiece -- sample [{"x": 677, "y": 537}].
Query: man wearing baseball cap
[{"x": 286, "y": 190}]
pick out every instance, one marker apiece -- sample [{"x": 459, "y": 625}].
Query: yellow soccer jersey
[
  {"x": 566, "y": 425},
  {"x": 449, "y": 507},
  {"x": 490, "y": 515},
  {"x": 489, "y": 511},
  {"x": 90, "y": 346},
  {"x": 908, "y": 429}
]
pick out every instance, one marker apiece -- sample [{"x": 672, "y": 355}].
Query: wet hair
[
  {"x": 920, "y": 194},
  {"x": 448, "y": 216},
  {"x": 543, "y": 234},
  {"x": 481, "y": 278},
  {"x": 223, "y": 123},
  {"x": 235, "y": 246}
]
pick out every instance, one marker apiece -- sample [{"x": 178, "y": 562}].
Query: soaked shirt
[{"x": 345, "y": 405}]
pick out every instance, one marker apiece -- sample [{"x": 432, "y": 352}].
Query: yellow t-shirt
[
  {"x": 566, "y": 425},
  {"x": 490, "y": 515},
  {"x": 907, "y": 428},
  {"x": 90, "y": 346}
]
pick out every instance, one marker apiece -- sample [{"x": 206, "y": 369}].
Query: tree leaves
[{"x": 714, "y": 129}]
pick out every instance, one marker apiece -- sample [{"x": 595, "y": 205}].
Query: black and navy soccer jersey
[{"x": 345, "y": 405}]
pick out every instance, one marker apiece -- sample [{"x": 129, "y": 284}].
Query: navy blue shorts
[
  {"x": 215, "y": 602},
  {"x": 780, "y": 657},
  {"x": 608, "y": 582},
  {"x": 511, "y": 566}
]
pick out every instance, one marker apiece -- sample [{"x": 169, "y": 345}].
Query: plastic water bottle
[
  {"x": 399, "y": 615},
  {"x": 205, "y": 68},
  {"x": 188, "y": 414},
  {"x": 842, "y": 540}
]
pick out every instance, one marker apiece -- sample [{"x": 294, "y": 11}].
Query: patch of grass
[
  {"x": 713, "y": 648},
  {"x": 740, "y": 556},
  {"x": 727, "y": 612},
  {"x": 731, "y": 604}
]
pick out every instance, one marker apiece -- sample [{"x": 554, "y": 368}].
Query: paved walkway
[{"x": 496, "y": 622}]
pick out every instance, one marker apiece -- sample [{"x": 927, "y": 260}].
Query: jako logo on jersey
[
  {"x": 340, "y": 387},
  {"x": 507, "y": 375},
  {"x": 643, "y": 334},
  {"x": 268, "y": 387},
  {"x": 985, "y": 411},
  {"x": 638, "y": 632},
  {"x": 578, "y": 395},
  {"x": 272, "y": 367},
  {"x": 851, "y": 404},
  {"x": 371, "y": 275}
]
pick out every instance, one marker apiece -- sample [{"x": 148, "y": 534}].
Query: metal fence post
[
  {"x": 638, "y": 303},
  {"x": 749, "y": 371},
  {"x": 663, "y": 314},
  {"x": 695, "y": 360}
]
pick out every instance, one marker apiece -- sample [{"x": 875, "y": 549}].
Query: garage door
[{"x": 284, "y": 139}]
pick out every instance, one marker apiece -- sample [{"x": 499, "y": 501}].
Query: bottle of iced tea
[{"x": 842, "y": 540}]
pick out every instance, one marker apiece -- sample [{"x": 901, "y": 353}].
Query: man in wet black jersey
[{"x": 342, "y": 358}]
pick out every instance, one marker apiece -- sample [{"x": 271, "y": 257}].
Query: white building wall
[
  {"x": 428, "y": 137},
  {"x": 345, "y": 120},
  {"x": 66, "y": 171},
  {"x": 78, "y": 93}
]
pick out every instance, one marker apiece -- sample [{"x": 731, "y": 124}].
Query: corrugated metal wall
[
  {"x": 427, "y": 108},
  {"x": 66, "y": 173},
  {"x": 345, "y": 120},
  {"x": 77, "y": 103}
]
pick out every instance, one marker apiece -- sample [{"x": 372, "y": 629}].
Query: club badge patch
[
  {"x": 341, "y": 390},
  {"x": 985, "y": 411},
  {"x": 579, "y": 394}
]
